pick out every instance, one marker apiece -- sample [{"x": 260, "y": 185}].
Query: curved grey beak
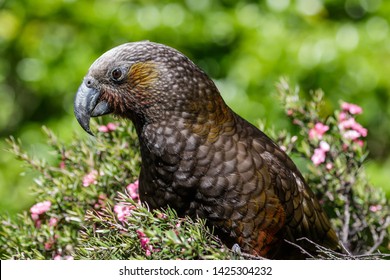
[{"x": 87, "y": 105}]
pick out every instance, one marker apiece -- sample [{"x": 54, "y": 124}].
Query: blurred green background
[{"x": 46, "y": 47}]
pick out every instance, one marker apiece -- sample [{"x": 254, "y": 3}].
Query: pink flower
[
  {"x": 324, "y": 146},
  {"x": 38, "y": 223},
  {"x": 162, "y": 215},
  {"x": 101, "y": 203},
  {"x": 351, "y": 108},
  {"x": 140, "y": 233},
  {"x": 359, "y": 128},
  {"x": 343, "y": 116},
  {"x": 90, "y": 178},
  {"x": 103, "y": 128},
  {"x": 39, "y": 209},
  {"x": 133, "y": 190},
  {"x": 363, "y": 131},
  {"x": 58, "y": 257},
  {"x": 148, "y": 251},
  {"x": 329, "y": 166},
  {"x": 375, "y": 208},
  {"x": 145, "y": 243},
  {"x": 320, "y": 153},
  {"x": 351, "y": 134},
  {"x": 108, "y": 128},
  {"x": 352, "y": 124},
  {"x": 347, "y": 123},
  {"x": 318, "y": 130},
  {"x": 349, "y": 127},
  {"x": 53, "y": 222},
  {"x": 359, "y": 142},
  {"x": 143, "y": 239},
  {"x": 122, "y": 211},
  {"x": 318, "y": 156},
  {"x": 48, "y": 245},
  {"x": 112, "y": 126}
]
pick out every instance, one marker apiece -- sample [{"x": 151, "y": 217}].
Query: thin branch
[
  {"x": 382, "y": 235},
  {"x": 300, "y": 248},
  {"x": 347, "y": 218},
  {"x": 336, "y": 255}
]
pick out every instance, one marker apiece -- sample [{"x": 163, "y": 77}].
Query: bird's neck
[
  {"x": 211, "y": 119},
  {"x": 204, "y": 118}
]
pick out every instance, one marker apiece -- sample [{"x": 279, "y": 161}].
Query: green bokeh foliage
[{"x": 46, "y": 47}]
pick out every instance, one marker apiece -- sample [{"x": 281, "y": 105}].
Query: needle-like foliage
[{"x": 87, "y": 203}]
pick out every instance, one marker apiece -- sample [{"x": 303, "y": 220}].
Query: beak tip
[
  {"x": 83, "y": 119},
  {"x": 87, "y": 105},
  {"x": 90, "y": 132}
]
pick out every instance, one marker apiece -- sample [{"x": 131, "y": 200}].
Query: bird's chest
[
  {"x": 197, "y": 177},
  {"x": 170, "y": 173}
]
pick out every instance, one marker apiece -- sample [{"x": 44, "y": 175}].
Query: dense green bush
[
  {"x": 84, "y": 213},
  {"x": 87, "y": 198}
]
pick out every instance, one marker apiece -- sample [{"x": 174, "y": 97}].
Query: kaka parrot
[{"x": 201, "y": 158}]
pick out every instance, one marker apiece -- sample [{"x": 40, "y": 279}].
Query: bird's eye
[{"x": 117, "y": 74}]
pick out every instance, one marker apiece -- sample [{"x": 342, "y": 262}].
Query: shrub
[{"x": 87, "y": 202}]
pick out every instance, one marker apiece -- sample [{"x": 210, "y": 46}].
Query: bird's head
[{"x": 142, "y": 81}]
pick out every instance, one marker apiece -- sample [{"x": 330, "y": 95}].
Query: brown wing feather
[{"x": 290, "y": 202}]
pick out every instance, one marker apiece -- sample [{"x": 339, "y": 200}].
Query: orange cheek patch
[{"x": 143, "y": 74}]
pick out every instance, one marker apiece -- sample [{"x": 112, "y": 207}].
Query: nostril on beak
[{"x": 89, "y": 82}]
